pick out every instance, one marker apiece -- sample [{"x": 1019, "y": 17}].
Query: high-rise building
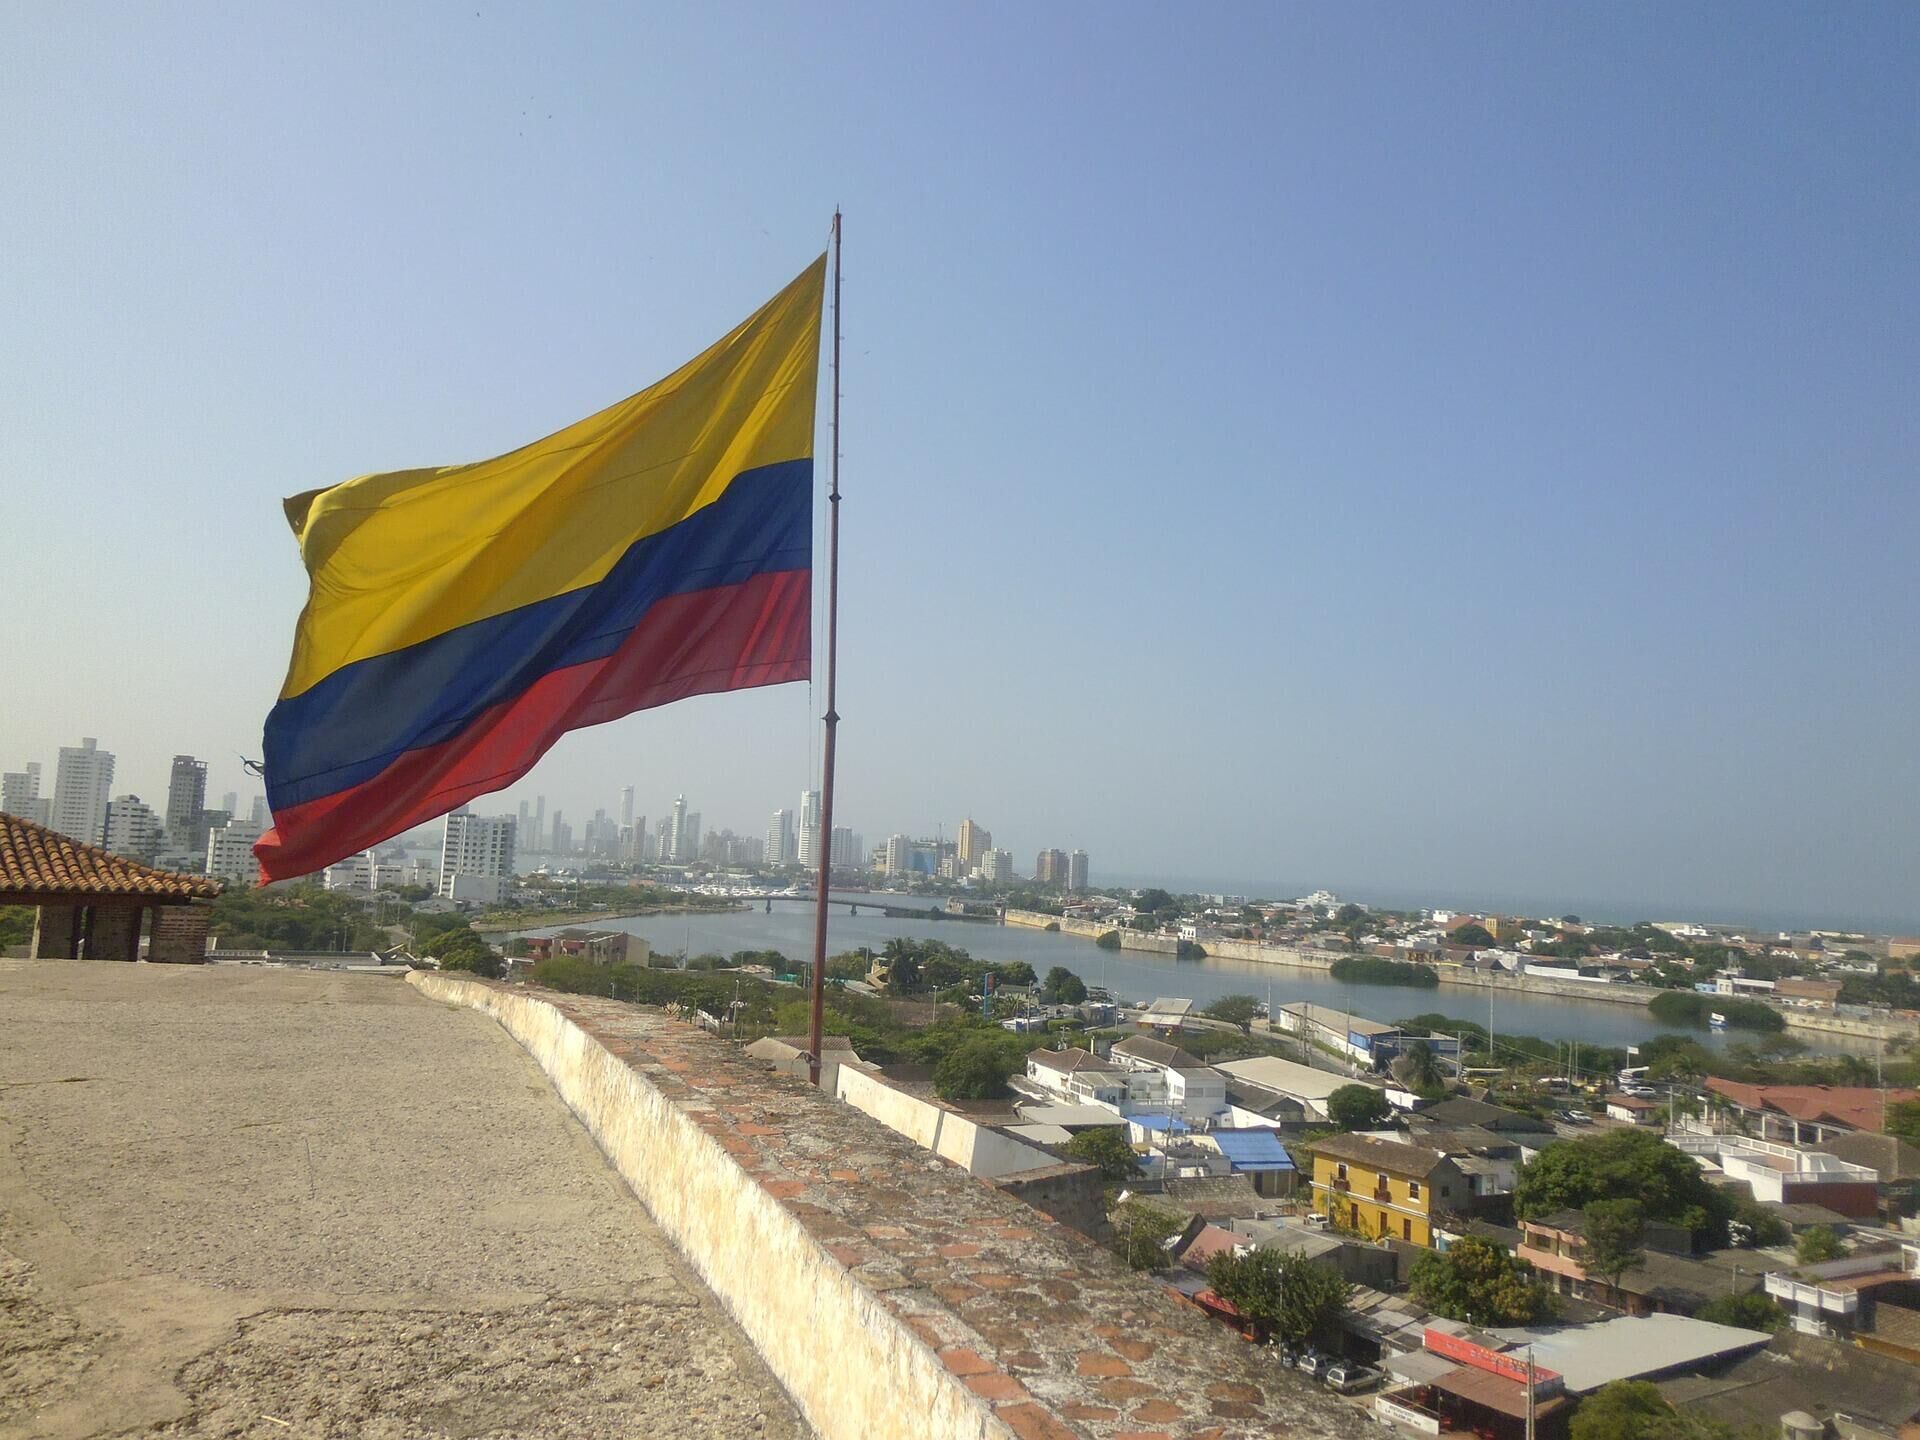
[
  {"x": 476, "y": 857},
  {"x": 807, "y": 842},
  {"x": 626, "y": 806},
  {"x": 690, "y": 841},
  {"x": 526, "y": 825},
  {"x": 848, "y": 852},
  {"x": 186, "y": 800},
  {"x": 562, "y": 837},
  {"x": 230, "y": 802},
  {"x": 1050, "y": 868},
  {"x": 996, "y": 867},
  {"x": 259, "y": 816},
  {"x": 673, "y": 839},
  {"x": 230, "y": 852},
  {"x": 132, "y": 828},
  {"x": 899, "y": 855},
  {"x": 81, "y": 784},
  {"x": 20, "y": 794},
  {"x": 539, "y": 840},
  {"x": 780, "y": 838},
  {"x": 975, "y": 841},
  {"x": 1077, "y": 870}
]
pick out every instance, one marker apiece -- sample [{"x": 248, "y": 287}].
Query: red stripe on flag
[{"x": 734, "y": 638}]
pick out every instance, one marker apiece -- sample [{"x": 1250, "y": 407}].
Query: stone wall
[
  {"x": 975, "y": 1148},
  {"x": 1075, "y": 1195},
  {"x": 895, "y": 1297}
]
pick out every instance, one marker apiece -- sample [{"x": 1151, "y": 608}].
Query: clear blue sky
[{"x": 1464, "y": 450}]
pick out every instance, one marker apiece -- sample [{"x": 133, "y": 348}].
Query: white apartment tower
[
  {"x": 780, "y": 838},
  {"x": 132, "y": 828},
  {"x": 849, "y": 850},
  {"x": 1077, "y": 870},
  {"x": 808, "y": 840},
  {"x": 20, "y": 794},
  {"x": 626, "y": 807},
  {"x": 230, "y": 852},
  {"x": 673, "y": 836},
  {"x": 899, "y": 855},
  {"x": 80, "y": 788},
  {"x": 996, "y": 867},
  {"x": 476, "y": 857}
]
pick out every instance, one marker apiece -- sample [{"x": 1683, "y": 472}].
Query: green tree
[
  {"x": 1764, "y": 1227},
  {"x": 1481, "y": 1283},
  {"x": 1140, "y": 1234},
  {"x": 1105, "y": 1146},
  {"x": 1636, "y": 1410},
  {"x": 1817, "y": 1243},
  {"x": 1623, "y": 1410},
  {"x": 461, "y": 949},
  {"x": 1285, "y": 1295},
  {"x": 852, "y": 965},
  {"x": 977, "y": 1068},
  {"x": 1358, "y": 1107},
  {"x": 16, "y": 925},
  {"x": 1473, "y": 934},
  {"x": 1744, "y": 1312},
  {"x": 1235, "y": 1010},
  {"x": 903, "y": 967},
  {"x": 1062, "y": 987},
  {"x": 1615, "y": 1232},
  {"x": 1418, "y": 1069},
  {"x": 1622, "y": 1165},
  {"x": 1903, "y": 1119},
  {"x": 1153, "y": 900}
]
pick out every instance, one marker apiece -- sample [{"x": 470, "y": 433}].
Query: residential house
[
  {"x": 1301, "y": 1083},
  {"x": 1871, "y": 1298},
  {"x": 1805, "y": 1114},
  {"x": 1381, "y": 1188},
  {"x": 1667, "y": 1280},
  {"x": 1257, "y": 1154},
  {"x": 1633, "y": 1110},
  {"x": 1789, "y": 1175},
  {"x": 1894, "y": 1160},
  {"x": 1076, "y": 1077}
]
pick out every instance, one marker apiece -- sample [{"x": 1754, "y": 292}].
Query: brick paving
[{"x": 1047, "y": 1328}]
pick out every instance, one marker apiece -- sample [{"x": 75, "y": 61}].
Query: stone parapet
[{"x": 892, "y": 1294}]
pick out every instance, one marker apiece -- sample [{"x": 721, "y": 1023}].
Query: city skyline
[
  {"x": 1515, "y": 499},
  {"x": 527, "y": 806}
]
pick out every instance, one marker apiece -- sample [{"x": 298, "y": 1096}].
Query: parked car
[
  {"x": 1576, "y": 1117},
  {"x": 1313, "y": 1363},
  {"x": 1347, "y": 1376}
]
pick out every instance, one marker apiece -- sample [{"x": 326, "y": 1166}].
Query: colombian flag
[{"x": 461, "y": 620}]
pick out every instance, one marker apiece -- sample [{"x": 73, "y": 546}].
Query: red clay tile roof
[
  {"x": 37, "y": 861},
  {"x": 1856, "y": 1106}
]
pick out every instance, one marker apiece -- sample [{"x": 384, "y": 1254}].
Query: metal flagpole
[{"x": 825, "y": 840}]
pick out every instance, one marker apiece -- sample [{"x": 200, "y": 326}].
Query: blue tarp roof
[{"x": 1252, "y": 1149}]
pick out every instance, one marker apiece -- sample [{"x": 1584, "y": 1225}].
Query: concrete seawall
[
  {"x": 1532, "y": 986},
  {"x": 894, "y": 1296}
]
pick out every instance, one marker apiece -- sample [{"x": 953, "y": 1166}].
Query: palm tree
[{"x": 1418, "y": 1069}]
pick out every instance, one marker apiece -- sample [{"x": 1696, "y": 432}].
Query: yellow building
[{"x": 1384, "y": 1188}]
